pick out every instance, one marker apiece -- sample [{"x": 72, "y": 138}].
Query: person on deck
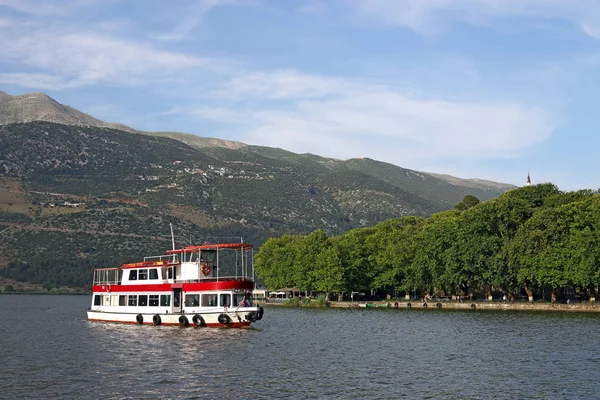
[{"x": 246, "y": 302}]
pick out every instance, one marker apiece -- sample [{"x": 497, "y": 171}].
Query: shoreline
[{"x": 453, "y": 305}]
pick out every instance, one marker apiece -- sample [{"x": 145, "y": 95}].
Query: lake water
[{"x": 50, "y": 351}]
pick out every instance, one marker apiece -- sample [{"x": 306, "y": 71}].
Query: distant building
[{"x": 528, "y": 179}]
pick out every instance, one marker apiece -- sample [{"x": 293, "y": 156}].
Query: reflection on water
[{"x": 50, "y": 350}]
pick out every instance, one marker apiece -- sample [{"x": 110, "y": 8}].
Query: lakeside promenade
[{"x": 455, "y": 305}]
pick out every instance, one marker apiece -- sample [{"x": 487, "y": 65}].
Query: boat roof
[
  {"x": 188, "y": 249},
  {"x": 149, "y": 264}
]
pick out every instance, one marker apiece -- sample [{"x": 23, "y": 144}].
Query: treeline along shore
[{"x": 531, "y": 243}]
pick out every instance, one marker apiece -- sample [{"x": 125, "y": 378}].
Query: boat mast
[
  {"x": 172, "y": 236},
  {"x": 173, "y": 241}
]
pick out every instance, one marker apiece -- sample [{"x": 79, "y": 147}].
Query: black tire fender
[
  {"x": 224, "y": 319},
  {"x": 139, "y": 319},
  {"x": 183, "y": 321},
  {"x": 156, "y": 320},
  {"x": 198, "y": 321}
]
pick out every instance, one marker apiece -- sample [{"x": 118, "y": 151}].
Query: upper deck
[{"x": 191, "y": 264}]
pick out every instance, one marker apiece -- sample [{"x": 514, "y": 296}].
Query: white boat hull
[{"x": 241, "y": 318}]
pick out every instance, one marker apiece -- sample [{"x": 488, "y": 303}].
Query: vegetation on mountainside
[
  {"x": 85, "y": 196},
  {"x": 535, "y": 241}
]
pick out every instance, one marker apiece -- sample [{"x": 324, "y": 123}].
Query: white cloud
[
  {"x": 189, "y": 15},
  {"x": 281, "y": 85},
  {"x": 431, "y": 16},
  {"x": 68, "y": 59},
  {"x": 34, "y": 80},
  {"x": 42, "y": 8},
  {"x": 344, "y": 118}
]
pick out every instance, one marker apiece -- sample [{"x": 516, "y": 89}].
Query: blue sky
[{"x": 485, "y": 89}]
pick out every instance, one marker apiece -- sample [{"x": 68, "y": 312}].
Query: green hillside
[{"x": 87, "y": 196}]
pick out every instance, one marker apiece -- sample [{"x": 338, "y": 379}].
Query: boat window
[
  {"x": 133, "y": 275},
  {"x": 169, "y": 273},
  {"x": 153, "y": 274},
  {"x": 132, "y": 300},
  {"x": 192, "y": 300},
  {"x": 143, "y": 300},
  {"x": 237, "y": 299},
  {"x": 165, "y": 299},
  {"x": 122, "y": 300},
  {"x": 97, "y": 300},
  {"x": 226, "y": 300},
  {"x": 209, "y": 300},
  {"x": 153, "y": 300},
  {"x": 143, "y": 274}
]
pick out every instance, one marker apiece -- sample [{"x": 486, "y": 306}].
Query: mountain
[
  {"x": 91, "y": 194},
  {"x": 40, "y": 107}
]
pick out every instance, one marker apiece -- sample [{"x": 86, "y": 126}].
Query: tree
[
  {"x": 274, "y": 262},
  {"x": 355, "y": 256},
  {"x": 306, "y": 252},
  {"x": 467, "y": 202},
  {"x": 329, "y": 273},
  {"x": 430, "y": 261},
  {"x": 394, "y": 248}
]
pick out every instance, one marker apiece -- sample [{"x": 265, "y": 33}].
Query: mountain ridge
[{"x": 38, "y": 106}]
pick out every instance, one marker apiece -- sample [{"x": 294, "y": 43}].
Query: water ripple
[{"x": 51, "y": 351}]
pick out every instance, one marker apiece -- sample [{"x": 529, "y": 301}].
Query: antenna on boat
[{"x": 172, "y": 236}]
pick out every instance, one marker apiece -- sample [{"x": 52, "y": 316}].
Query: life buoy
[
  {"x": 205, "y": 269},
  {"x": 183, "y": 321},
  {"x": 438, "y": 304},
  {"x": 108, "y": 287},
  {"x": 396, "y": 305},
  {"x": 408, "y": 305},
  {"x": 198, "y": 321},
  {"x": 140, "y": 319},
  {"x": 259, "y": 313},
  {"x": 156, "y": 320},
  {"x": 224, "y": 319}
]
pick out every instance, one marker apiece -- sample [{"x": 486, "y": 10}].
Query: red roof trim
[
  {"x": 187, "y": 249},
  {"x": 151, "y": 264},
  {"x": 167, "y": 287}
]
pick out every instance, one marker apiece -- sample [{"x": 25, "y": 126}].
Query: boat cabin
[{"x": 186, "y": 280}]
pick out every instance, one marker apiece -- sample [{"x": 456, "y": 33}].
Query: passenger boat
[{"x": 209, "y": 285}]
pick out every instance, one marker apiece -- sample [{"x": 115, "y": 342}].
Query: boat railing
[
  {"x": 107, "y": 276},
  {"x": 216, "y": 279},
  {"x": 164, "y": 257}
]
